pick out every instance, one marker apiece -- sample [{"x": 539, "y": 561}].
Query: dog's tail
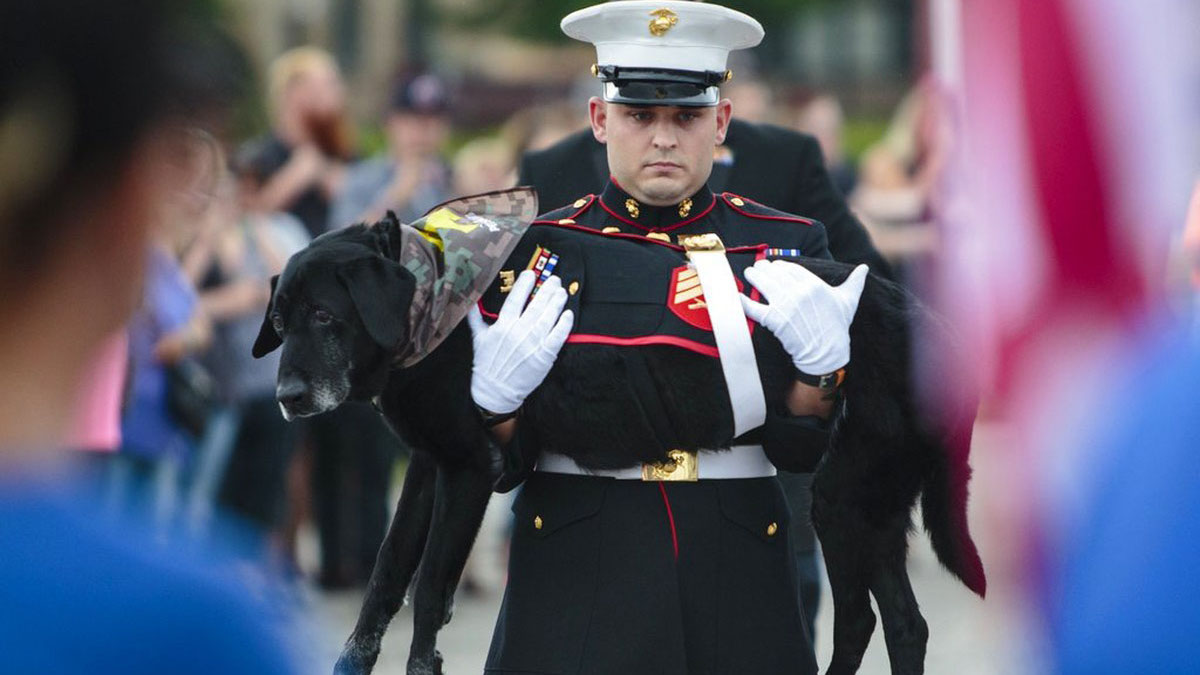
[
  {"x": 944, "y": 507},
  {"x": 947, "y": 432},
  {"x": 944, "y": 494}
]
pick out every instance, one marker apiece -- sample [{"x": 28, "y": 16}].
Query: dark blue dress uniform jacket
[{"x": 625, "y": 576}]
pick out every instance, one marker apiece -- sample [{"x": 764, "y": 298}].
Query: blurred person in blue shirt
[{"x": 93, "y": 98}]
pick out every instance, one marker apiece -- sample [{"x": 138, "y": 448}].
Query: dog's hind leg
[
  {"x": 394, "y": 566},
  {"x": 844, "y": 545},
  {"x": 461, "y": 497},
  {"x": 853, "y": 620},
  {"x": 904, "y": 628}
]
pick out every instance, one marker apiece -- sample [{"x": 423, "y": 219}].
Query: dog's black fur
[{"x": 338, "y": 312}]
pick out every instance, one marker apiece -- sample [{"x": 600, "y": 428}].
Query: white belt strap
[{"x": 707, "y": 254}]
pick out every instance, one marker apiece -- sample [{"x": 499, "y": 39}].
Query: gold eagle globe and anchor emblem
[{"x": 662, "y": 22}]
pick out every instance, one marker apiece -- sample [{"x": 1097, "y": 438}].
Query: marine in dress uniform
[
  {"x": 621, "y": 561},
  {"x": 772, "y": 165}
]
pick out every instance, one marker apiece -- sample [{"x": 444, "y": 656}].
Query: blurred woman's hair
[
  {"x": 330, "y": 130},
  {"x": 293, "y": 65},
  {"x": 82, "y": 85}
]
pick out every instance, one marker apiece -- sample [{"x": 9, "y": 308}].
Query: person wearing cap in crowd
[
  {"x": 412, "y": 177},
  {"x": 632, "y": 570}
]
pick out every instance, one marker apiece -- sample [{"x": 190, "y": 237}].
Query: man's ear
[
  {"x": 724, "y": 113},
  {"x": 598, "y": 114},
  {"x": 382, "y": 291},
  {"x": 268, "y": 340}
]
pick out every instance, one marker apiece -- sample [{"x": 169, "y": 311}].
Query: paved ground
[{"x": 969, "y": 636}]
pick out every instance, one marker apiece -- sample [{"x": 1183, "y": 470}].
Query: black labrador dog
[{"x": 338, "y": 311}]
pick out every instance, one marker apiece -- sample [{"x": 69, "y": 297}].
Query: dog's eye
[
  {"x": 322, "y": 317},
  {"x": 277, "y": 323}
]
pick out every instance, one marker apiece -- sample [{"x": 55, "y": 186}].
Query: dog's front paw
[
  {"x": 356, "y": 659},
  {"x": 429, "y": 665}
]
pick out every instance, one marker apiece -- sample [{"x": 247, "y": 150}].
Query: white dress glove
[
  {"x": 810, "y": 317},
  {"x": 514, "y": 354}
]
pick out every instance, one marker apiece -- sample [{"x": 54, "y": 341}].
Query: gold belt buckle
[{"x": 681, "y": 465}]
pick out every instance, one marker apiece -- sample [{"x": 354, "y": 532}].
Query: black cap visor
[
  {"x": 646, "y": 86},
  {"x": 661, "y": 93}
]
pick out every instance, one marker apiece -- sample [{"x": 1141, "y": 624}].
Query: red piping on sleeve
[
  {"x": 585, "y": 338},
  {"x": 670, "y": 519},
  {"x": 490, "y": 315}
]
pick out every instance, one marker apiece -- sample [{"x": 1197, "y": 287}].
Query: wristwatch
[
  {"x": 828, "y": 381},
  {"x": 491, "y": 419}
]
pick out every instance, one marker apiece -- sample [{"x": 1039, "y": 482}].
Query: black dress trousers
[{"x": 623, "y": 576}]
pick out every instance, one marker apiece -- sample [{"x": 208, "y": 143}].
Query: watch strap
[
  {"x": 491, "y": 419},
  {"x": 828, "y": 381}
]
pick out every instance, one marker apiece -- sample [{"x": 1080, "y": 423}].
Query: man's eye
[
  {"x": 322, "y": 317},
  {"x": 277, "y": 323},
  {"x": 687, "y": 116},
  {"x": 640, "y": 116}
]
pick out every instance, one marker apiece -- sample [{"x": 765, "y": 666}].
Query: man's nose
[
  {"x": 664, "y": 137},
  {"x": 291, "y": 390}
]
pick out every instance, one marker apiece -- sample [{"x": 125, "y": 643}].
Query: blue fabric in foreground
[
  {"x": 1125, "y": 598},
  {"x": 81, "y": 592}
]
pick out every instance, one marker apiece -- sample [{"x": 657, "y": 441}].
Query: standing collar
[{"x": 621, "y": 205}]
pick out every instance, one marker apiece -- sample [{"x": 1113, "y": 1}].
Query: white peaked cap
[{"x": 691, "y": 36}]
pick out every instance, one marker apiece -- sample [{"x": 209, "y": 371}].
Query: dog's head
[{"x": 339, "y": 310}]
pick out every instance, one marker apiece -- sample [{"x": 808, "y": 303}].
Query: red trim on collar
[
  {"x": 676, "y": 226},
  {"x": 729, "y": 196},
  {"x": 621, "y": 218},
  {"x": 692, "y": 219}
]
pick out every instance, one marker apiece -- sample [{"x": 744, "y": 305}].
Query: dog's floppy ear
[
  {"x": 382, "y": 291},
  {"x": 268, "y": 340}
]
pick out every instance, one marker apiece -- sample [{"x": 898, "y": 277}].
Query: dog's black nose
[{"x": 291, "y": 391}]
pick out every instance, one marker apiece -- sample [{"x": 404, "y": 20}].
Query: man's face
[
  {"x": 415, "y": 134},
  {"x": 659, "y": 154}
]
